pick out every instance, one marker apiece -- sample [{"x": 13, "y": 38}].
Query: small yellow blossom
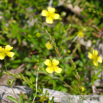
[
  {"x": 95, "y": 57},
  {"x": 29, "y": 36},
  {"x": 6, "y": 29},
  {"x": 69, "y": 51},
  {"x": 6, "y": 52},
  {"x": 38, "y": 35},
  {"x": 80, "y": 34},
  {"x": 82, "y": 88},
  {"x": 14, "y": 21},
  {"x": 49, "y": 45},
  {"x": 50, "y": 15},
  {"x": 52, "y": 66}
]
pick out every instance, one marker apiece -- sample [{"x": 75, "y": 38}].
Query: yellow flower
[
  {"x": 14, "y": 21},
  {"x": 48, "y": 45},
  {"x": 29, "y": 36},
  {"x": 6, "y": 29},
  {"x": 95, "y": 57},
  {"x": 80, "y": 34},
  {"x": 52, "y": 66},
  {"x": 50, "y": 15},
  {"x": 38, "y": 35},
  {"x": 82, "y": 88},
  {"x": 6, "y": 52}
]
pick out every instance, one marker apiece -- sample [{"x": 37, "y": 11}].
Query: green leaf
[
  {"x": 21, "y": 99},
  {"x": 19, "y": 38},
  {"x": 98, "y": 72},
  {"x": 12, "y": 99}
]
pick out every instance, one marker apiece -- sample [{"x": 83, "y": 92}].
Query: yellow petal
[
  {"x": 49, "y": 69},
  {"x": 80, "y": 33},
  {"x": 56, "y": 16},
  {"x": 2, "y": 56},
  {"x": 51, "y": 10},
  {"x": 48, "y": 45},
  {"x": 8, "y": 48},
  {"x": 1, "y": 49},
  {"x": 55, "y": 62},
  {"x": 95, "y": 63},
  {"x": 10, "y": 54},
  {"x": 48, "y": 62},
  {"x": 49, "y": 20},
  {"x": 82, "y": 88},
  {"x": 99, "y": 59},
  {"x": 90, "y": 55},
  {"x": 57, "y": 69},
  {"x": 95, "y": 52},
  {"x": 44, "y": 13}
]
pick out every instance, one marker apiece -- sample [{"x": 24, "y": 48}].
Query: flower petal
[
  {"x": 2, "y": 56},
  {"x": 55, "y": 62},
  {"x": 44, "y": 13},
  {"x": 8, "y": 48},
  {"x": 48, "y": 45},
  {"x": 81, "y": 34},
  {"x": 51, "y": 10},
  {"x": 49, "y": 69},
  {"x": 95, "y": 52},
  {"x": 95, "y": 62},
  {"x": 1, "y": 49},
  {"x": 90, "y": 55},
  {"x": 99, "y": 59},
  {"x": 10, "y": 54},
  {"x": 48, "y": 62},
  {"x": 57, "y": 69},
  {"x": 56, "y": 16},
  {"x": 49, "y": 20}
]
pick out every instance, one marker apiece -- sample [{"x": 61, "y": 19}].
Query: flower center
[
  {"x": 95, "y": 57},
  {"x": 50, "y": 14}
]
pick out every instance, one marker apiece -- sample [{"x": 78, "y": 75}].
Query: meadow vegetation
[{"x": 59, "y": 47}]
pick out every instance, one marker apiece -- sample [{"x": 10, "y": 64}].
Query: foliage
[{"x": 23, "y": 27}]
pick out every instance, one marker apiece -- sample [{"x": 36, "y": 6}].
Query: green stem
[
  {"x": 8, "y": 78},
  {"x": 14, "y": 93},
  {"x": 76, "y": 75},
  {"x": 53, "y": 42},
  {"x": 65, "y": 83},
  {"x": 5, "y": 64},
  {"x": 36, "y": 84}
]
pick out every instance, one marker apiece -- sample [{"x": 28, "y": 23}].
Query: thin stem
[
  {"x": 8, "y": 78},
  {"x": 53, "y": 42},
  {"x": 36, "y": 83},
  {"x": 5, "y": 64},
  {"x": 50, "y": 3},
  {"x": 14, "y": 93},
  {"x": 76, "y": 75},
  {"x": 37, "y": 79},
  {"x": 65, "y": 83}
]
